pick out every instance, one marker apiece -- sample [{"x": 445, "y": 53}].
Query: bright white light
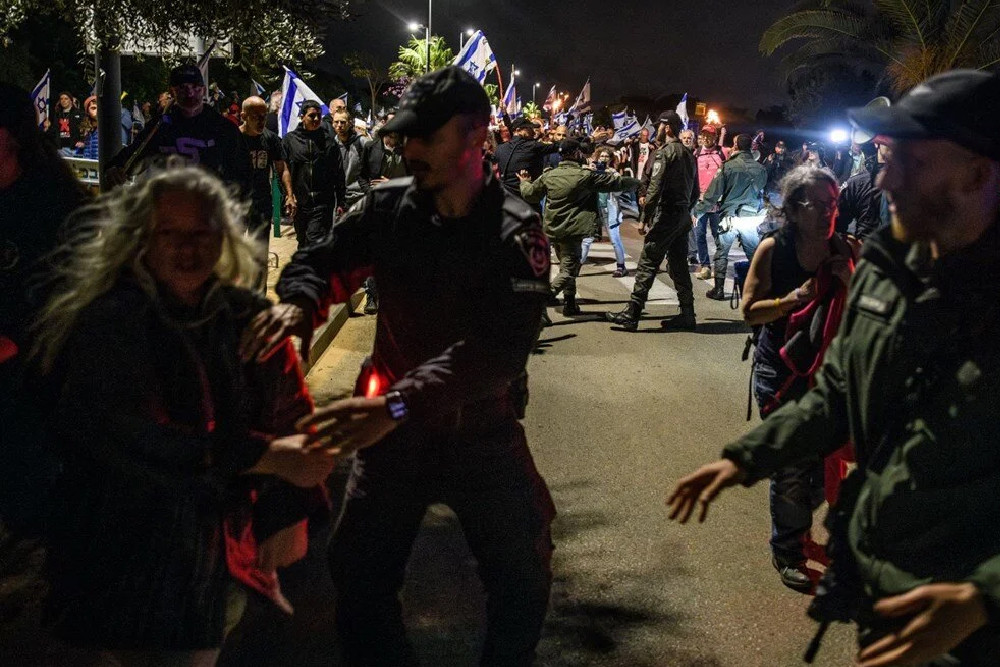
[
  {"x": 517, "y": 72},
  {"x": 413, "y": 26},
  {"x": 470, "y": 32},
  {"x": 838, "y": 136}
]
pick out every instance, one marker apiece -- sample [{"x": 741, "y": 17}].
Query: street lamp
[
  {"x": 469, "y": 32},
  {"x": 413, "y": 26},
  {"x": 536, "y": 85}
]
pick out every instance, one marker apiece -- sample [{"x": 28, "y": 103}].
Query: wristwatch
[{"x": 397, "y": 406}]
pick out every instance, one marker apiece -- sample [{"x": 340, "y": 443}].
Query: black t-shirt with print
[{"x": 264, "y": 150}]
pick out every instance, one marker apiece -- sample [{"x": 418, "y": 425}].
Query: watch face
[{"x": 397, "y": 408}]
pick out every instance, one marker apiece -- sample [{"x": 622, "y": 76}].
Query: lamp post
[
  {"x": 429, "y": 13},
  {"x": 413, "y": 26},
  {"x": 535, "y": 86}
]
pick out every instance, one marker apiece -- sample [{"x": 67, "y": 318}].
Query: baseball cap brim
[
  {"x": 889, "y": 121},
  {"x": 407, "y": 122}
]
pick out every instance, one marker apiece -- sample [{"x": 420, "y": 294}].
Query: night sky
[{"x": 707, "y": 48}]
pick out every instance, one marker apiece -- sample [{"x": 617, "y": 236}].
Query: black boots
[
  {"x": 371, "y": 297},
  {"x": 627, "y": 318},
  {"x": 718, "y": 293},
  {"x": 684, "y": 322},
  {"x": 569, "y": 306}
]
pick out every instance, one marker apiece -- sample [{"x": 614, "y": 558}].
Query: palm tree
[
  {"x": 908, "y": 40},
  {"x": 413, "y": 58},
  {"x": 531, "y": 110},
  {"x": 493, "y": 92}
]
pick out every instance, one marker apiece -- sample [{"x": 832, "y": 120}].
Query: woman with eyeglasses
[{"x": 797, "y": 278}]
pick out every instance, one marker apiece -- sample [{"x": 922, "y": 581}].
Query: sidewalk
[{"x": 281, "y": 251}]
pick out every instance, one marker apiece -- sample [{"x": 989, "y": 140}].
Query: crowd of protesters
[{"x": 186, "y": 463}]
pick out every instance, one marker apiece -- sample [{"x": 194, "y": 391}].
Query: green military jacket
[
  {"x": 673, "y": 183},
  {"x": 737, "y": 188},
  {"x": 570, "y": 193},
  {"x": 913, "y": 380}
]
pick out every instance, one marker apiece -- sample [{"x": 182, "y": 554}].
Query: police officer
[
  {"x": 463, "y": 275},
  {"x": 521, "y": 153},
  {"x": 673, "y": 190},
  {"x": 911, "y": 380}
]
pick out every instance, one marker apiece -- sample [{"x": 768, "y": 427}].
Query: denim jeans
[
  {"x": 706, "y": 221},
  {"x": 744, "y": 229},
  {"x": 612, "y": 219},
  {"x": 796, "y": 490}
]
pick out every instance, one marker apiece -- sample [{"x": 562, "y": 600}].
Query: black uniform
[
  {"x": 863, "y": 204},
  {"x": 207, "y": 139},
  {"x": 317, "y": 181},
  {"x": 461, "y": 306},
  {"x": 520, "y": 153}
]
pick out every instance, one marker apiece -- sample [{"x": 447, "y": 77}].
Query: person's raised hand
[
  {"x": 700, "y": 488},
  {"x": 270, "y": 328},
  {"x": 348, "y": 425},
  {"x": 941, "y": 616}
]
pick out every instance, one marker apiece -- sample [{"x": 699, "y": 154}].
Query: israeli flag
[
  {"x": 619, "y": 118},
  {"x": 294, "y": 93},
  {"x": 40, "y": 96},
  {"x": 476, "y": 57},
  {"x": 629, "y": 128},
  {"x": 509, "y": 103},
  {"x": 650, "y": 127},
  {"x": 682, "y": 110},
  {"x": 588, "y": 123},
  {"x": 258, "y": 89}
]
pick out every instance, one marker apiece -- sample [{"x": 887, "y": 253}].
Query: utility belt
[{"x": 727, "y": 222}]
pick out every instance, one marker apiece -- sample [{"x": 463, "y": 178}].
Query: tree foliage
[
  {"x": 366, "y": 66},
  {"x": 493, "y": 92},
  {"x": 412, "y": 58},
  {"x": 531, "y": 110},
  {"x": 263, "y": 32},
  {"x": 906, "y": 40}
]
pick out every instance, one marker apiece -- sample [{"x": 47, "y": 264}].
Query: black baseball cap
[
  {"x": 433, "y": 99},
  {"x": 959, "y": 106},
  {"x": 186, "y": 74},
  {"x": 670, "y": 117},
  {"x": 567, "y": 146},
  {"x": 522, "y": 123}
]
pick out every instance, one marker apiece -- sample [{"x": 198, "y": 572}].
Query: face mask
[{"x": 601, "y": 165}]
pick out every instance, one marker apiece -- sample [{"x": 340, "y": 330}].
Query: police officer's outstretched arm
[
  {"x": 532, "y": 191},
  {"x": 318, "y": 276},
  {"x": 814, "y": 426},
  {"x": 612, "y": 182}
]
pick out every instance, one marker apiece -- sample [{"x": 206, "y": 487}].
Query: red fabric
[
  {"x": 8, "y": 349},
  {"x": 241, "y": 560}
]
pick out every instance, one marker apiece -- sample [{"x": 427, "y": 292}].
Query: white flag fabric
[
  {"x": 258, "y": 89},
  {"x": 509, "y": 103},
  {"x": 582, "y": 104},
  {"x": 619, "y": 119},
  {"x": 294, "y": 93},
  {"x": 550, "y": 100},
  {"x": 629, "y": 128},
  {"x": 40, "y": 96},
  {"x": 203, "y": 65},
  {"x": 682, "y": 110},
  {"x": 476, "y": 57},
  {"x": 650, "y": 127}
]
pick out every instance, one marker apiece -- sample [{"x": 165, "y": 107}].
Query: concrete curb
[{"x": 325, "y": 334}]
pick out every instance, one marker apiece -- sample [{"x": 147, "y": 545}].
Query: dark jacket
[
  {"x": 460, "y": 301},
  {"x": 379, "y": 162},
  {"x": 737, "y": 188},
  {"x": 65, "y": 128},
  {"x": 317, "y": 169},
  {"x": 776, "y": 167},
  {"x": 350, "y": 159},
  {"x": 861, "y": 202},
  {"x": 673, "y": 180},
  {"x": 520, "y": 153},
  {"x": 207, "y": 139},
  {"x": 156, "y": 420},
  {"x": 911, "y": 379},
  {"x": 570, "y": 193}
]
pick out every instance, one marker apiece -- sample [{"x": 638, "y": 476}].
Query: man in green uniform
[
  {"x": 911, "y": 379},
  {"x": 570, "y": 192},
  {"x": 673, "y": 190}
]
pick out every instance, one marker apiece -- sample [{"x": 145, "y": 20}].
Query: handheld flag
[
  {"x": 476, "y": 57},
  {"x": 582, "y": 104},
  {"x": 258, "y": 89},
  {"x": 551, "y": 99},
  {"x": 509, "y": 103},
  {"x": 294, "y": 93},
  {"x": 682, "y": 110},
  {"x": 40, "y": 97},
  {"x": 629, "y": 128},
  {"x": 618, "y": 119},
  {"x": 649, "y": 127},
  {"x": 203, "y": 65}
]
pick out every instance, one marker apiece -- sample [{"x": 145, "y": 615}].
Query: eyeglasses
[{"x": 824, "y": 206}]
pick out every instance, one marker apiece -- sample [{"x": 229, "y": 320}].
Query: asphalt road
[{"x": 614, "y": 419}]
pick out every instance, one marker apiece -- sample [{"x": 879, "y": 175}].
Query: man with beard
[
  {"x": 463, "y": 274},
  {"x": 190, "y": 129},
  {"x": 351, "y": 145},
  {"x": 317, "y": 176},
  {"x": 911, "y": 380}
]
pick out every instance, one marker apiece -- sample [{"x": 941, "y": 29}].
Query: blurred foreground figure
[{"x": 911, "y": 379}]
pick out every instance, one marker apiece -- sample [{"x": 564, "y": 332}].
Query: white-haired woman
[
  {"x": 794, "y": 291},
  {"x": 180, "y": 478}
]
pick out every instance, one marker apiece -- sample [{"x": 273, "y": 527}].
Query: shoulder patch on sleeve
[{"x": 534, "y": 246}]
